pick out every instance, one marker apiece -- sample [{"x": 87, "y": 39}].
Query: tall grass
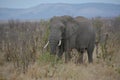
[
  {"x": 108, "y": 38},
  {"x": 21, "y": 50},
  {"x": 22, "y": 42}
]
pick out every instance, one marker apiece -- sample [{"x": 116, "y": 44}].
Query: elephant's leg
[
  {"x": 80, "y": 57},
  {"x": 90, "y": 53},
  {"x": 68, "y": 50},
  {"x": 67, "y": 56}
]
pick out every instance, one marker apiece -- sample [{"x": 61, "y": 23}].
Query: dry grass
[
  {"x": 99, "y": 70},
  {"x": 31, "y": 36},
  {"x": 68, "y": 71}
]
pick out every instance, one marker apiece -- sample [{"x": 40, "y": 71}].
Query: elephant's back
[{"x": 85, "y": 35}]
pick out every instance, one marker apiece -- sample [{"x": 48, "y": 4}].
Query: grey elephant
[{"x": 67, "y": 33}]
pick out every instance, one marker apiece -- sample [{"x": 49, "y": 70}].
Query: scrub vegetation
[{"x": 22, "y": 56}]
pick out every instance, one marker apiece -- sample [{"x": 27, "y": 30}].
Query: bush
[
  {"x": 47, "y": 58},
  {"x": 22, "y": 41}
]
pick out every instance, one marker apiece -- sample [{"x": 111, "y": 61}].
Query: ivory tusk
[
  {"x": 46, "y": 44},
  {"x": 59, "y": 43}
]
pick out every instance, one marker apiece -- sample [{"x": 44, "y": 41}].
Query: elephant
[{"x": 67, "y": 33}]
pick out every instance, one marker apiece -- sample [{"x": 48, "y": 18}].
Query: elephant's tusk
[
  {"x": 46, "y": 44},
  {"x": 59, "y": 43}
]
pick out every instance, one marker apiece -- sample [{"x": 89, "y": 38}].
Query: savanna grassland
[{"x": 22, "y": 56}]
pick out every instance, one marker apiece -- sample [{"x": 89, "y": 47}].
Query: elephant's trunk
[
  {"x": 52, "y": 49},
  {"x": 54, "y": 46}
]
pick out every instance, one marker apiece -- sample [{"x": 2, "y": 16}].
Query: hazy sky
[{"x": 31, "y": 3}]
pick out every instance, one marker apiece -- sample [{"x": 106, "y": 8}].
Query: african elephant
[{"x": 66, "y": 33}]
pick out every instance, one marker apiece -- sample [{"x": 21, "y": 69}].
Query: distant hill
[{"x": 46, "y": 11}]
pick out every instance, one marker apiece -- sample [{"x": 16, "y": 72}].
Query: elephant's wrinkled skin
[{"x": 73, "y": 34}]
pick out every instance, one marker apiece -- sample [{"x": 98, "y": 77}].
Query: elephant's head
[{"x": 57, "y": 32}]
